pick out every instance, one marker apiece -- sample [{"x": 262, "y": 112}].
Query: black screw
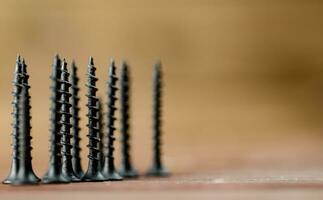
[
  {"x": 101, "y": 132},
  {"x": 65, "y": 125},
  {"x": 93, "y": 172},
  {"x": 17, "y": 84},
  {"x": 25, "y": 174},
  {"x": 108, "y": 169},
  {"x": 127, "y": 169},
  {"x": 76, "y": 158},
  {"x": 54, "y": 173},
  {"x": 157, "y": 168}
]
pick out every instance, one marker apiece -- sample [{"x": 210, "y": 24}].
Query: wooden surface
[
  {"x": 225, "y": 185},
  {"x": 289, "y": 171}
]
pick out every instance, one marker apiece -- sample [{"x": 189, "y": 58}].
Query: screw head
[
  {"x": 26, "y": 179},
  {"x": 53, "y": 177},
  {"x": 158, "y": 171},
  {"x": 93, "y": 177},
  {"x": 113, "y": 176},
  {"x": 13, "y": 173},
  {"x": 128, "y": 173}
]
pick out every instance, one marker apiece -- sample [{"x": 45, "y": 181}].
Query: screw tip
[
  {"x": 112, "y": 68},
  {"x": 64, "y": 65},
  {"x": 124, "y": 65},
  {"x": 73, "y": 67},
  {"x": 112, "y": 62},
  {"x": 91, "y": 68},
  {"x": 56, "y": 56},
  {"x": 18, "y": 58},
  {"x": 57, "y": 61},
  {"x": 24, "y": 66},
  {"x": 19, "y": 65},
  {"x": 91, "y": 62},
  {"x": 158, "y": 65}
]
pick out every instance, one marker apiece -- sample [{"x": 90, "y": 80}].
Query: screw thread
[
  {"x": 112, "y": 90},
  {"x": 93, "y": 173},
  {"x": 124, "y": 108},
  {"x": 101, "y": 132},
  {"x": 108, "y": 169},
  {"x": 127, "y": 169},
  {"x": 24, "y": 146},
  {"x": 17, "y": 88},
  {"x": 157, "y": 167},
  {"x": 92, "y": 114},
  {"x": 55, "y": 149},
  {"x": 76, "y": 158},
  {"x": 54, "y": 174},
  {"x": 157, "y": 106},
  {"x": 65, "y": 124},
  {"x": 26, "y": 174},
  {"x": 25, "y": 83}
]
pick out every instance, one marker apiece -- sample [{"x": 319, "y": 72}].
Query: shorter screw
[
  {"x": 127, "y": 169},
  {"x": 157, "y": 168},
  {"x": 108, "y": 169}
]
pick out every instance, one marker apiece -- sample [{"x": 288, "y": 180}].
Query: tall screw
[
  {"x": 65, "y": 125},
  {"x": 101, "y": 132},
  {"x": 157, "y": 168},
  {"x": 26, "y": 174},
  {"x": 54, "y": 173},
  {"x": 76, "y": 158},
  {"x": 127, "y": 169},
  {"x": 17, "y": 84},
  {"x": 93, "y": 172},
  {"x": 108, "y": 169}
]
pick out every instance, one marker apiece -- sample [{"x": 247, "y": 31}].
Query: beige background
[{"x": 243, "y": 79}]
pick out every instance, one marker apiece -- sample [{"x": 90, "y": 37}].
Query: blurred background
[{"x": 243, "y": 79}]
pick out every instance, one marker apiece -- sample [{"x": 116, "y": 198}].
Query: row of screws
[{"x": 65, "y": 161}]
